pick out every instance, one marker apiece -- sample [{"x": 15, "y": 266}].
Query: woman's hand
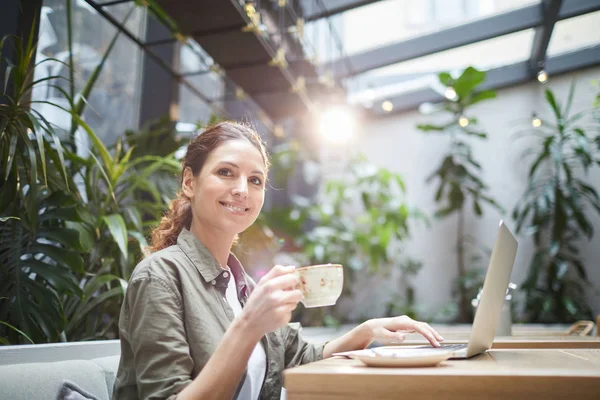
[
  {"x": 271, "y": 303},
  {"x": 396, "y": 329}
]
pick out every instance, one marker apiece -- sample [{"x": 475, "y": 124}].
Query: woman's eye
[
  {"x": 224, "y": 172},
  {"x": 256, "y": 181}
]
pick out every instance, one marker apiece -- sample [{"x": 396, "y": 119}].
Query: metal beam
[
  {"x": 18, "y": 18},
  {"x": 159, "y": 89},
  {"x": 472, "y": 32},
  {"x": 476, "y": 31},
  {"x": 149, "y": 52},
  {"x": 574, "y": 8},
  {"x": 541, "y": 39},
  {"x": 501, "y": 77},
  {"x": 333, "y": 7}
]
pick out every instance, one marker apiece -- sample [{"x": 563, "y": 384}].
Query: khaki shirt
[{"x": 173, "y": 317}]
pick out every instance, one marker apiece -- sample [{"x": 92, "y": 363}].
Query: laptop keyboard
[{"x": 445, "y": 347}]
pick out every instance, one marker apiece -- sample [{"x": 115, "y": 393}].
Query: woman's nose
[{"x": 240, "y": 188}]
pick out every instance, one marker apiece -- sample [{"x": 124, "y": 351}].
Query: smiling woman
[
  {"x": 213, "y": 157},
  {"x": 193, "y": 324}
]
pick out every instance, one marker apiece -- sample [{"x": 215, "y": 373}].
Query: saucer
[{"x": 398, "y": 357}]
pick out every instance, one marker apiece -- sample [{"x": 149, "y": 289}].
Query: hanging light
[
  {"x": 450, "y": 93},
  {"x": 387, "y": 106},
  {"x": 536, "y": 122},
  {"x": 250, "y": 9},
  {"x": 542, "y": 76},
  {"x": 463, "y": 121}
]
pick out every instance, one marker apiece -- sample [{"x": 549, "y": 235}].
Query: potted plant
[
  {"x": 459, "y": 174},
  {"x": 555, "y": 210}
]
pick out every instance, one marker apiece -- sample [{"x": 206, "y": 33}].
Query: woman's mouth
[{"x": 234, "y": 208}]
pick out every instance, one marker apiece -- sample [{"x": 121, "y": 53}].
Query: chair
[{"x": 581, "y": 328}]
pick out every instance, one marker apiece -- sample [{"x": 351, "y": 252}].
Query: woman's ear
[{"x": 187, "y": 183}]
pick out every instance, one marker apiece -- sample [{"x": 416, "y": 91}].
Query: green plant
[
  {"x": 553, "y": 210},
  {"x": 459, "y": 174},
  {"x": 38, "y": 252},
  {"x": 64, "y": 253},
  {"x": 120, "y": 204},
  {"x": 359, "y": 221}
]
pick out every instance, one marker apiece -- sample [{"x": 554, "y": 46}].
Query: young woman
[{"x": 193, "y": 325}]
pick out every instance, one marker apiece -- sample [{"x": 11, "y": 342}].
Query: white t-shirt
[{"x": 257, "y": 364}]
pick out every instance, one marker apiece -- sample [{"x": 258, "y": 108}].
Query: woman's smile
[{"x": 236, "y": 209}]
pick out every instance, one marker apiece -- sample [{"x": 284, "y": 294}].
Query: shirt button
[
  {"x": 214, "y": 282},
  {"x": 225, "y": 274}
]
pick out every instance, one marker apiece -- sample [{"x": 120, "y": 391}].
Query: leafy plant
[
  {"x": 116, "y": 193},
  {"x": 359, "y": 221},
  {"x": 553, "y": 210},
  {"x": 459, "y": 174},
  {"x": 38, "y": 252},
  {"x": 66, "y": 220}
]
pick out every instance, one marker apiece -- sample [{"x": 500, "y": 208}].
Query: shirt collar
[{"x": 208, "y": 266}]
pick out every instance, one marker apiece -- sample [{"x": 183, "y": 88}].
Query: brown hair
[{"x": 179, "y": 215}]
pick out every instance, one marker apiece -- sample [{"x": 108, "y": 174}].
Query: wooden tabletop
[{"x": 497, "y": 374}]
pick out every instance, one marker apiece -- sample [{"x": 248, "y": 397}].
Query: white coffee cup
[{"x": 320, "y": 284}]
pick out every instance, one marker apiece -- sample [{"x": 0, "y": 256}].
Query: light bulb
[
  {"x": 463, "y": 121},
  {"x": 450, "y": 93},
  {"x": 387, "y": 106},
  {"x": 536, "y": 122},
  {"x": 542, "y": 76}
]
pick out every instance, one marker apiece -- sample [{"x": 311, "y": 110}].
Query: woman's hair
[{"x": 179, "y": 215}]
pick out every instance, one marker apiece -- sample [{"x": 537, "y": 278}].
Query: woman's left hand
[{"x": 396, "y": 329}]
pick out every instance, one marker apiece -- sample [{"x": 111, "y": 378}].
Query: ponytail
[{"x": 176, "y": 219}]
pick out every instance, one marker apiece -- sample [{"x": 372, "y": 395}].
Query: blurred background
[{"x": 401, "y": 132}]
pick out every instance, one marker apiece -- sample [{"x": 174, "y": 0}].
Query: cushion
[
  {"x": 70, "y": 391},
  {"x": 42, "y": 381},
  {"x": 109, "y": 366}
]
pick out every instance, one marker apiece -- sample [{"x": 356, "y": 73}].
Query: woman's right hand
[{"x": 271, "y": 303}]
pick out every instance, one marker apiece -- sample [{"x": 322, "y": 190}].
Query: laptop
[
  {"x": 494, "y": 289},
  {"x": 487, "y": 315}
]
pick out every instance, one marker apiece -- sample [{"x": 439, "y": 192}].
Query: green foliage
[
  {"x": 360, "y": 221},
  {"x": 459, "y": 181},
  {"x": 38, "y": 251},
  {"x": 120, "y": 203},
  {"x": 553, "y": 210},
  {"x": 68, "y": 222}
]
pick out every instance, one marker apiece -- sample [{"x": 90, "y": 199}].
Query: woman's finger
[
  {"x": 435, "y": 333},
  {"x": 276, "y": 271},
  {"x": 291, "y": 296},
  {"x": 424, "y": 330},
  {"x": 283, "y": 282}
]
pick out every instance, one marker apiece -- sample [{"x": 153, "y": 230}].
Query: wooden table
[{"x": 498, "y": 374}]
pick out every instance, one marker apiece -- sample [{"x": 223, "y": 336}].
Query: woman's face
[{"x": 229, "y": 192}]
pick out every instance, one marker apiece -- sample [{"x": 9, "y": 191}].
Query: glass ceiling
[
  {"x": 575, "y": 33},
  {"x": 387, "y": 22},
  {"x": 391, "y": 21},
  {"x": 421, "y": 72}
]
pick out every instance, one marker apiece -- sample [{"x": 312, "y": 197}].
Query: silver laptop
[{"x": 492, "y": 298}]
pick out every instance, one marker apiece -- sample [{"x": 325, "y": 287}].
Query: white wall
[{"x": 396, "y": 144}]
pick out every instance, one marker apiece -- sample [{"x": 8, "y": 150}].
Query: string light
[
  {"x": 536, "y": 122},
  {"x": 542, "y": 76},
  {"x": 463, "y": 121},
  {"x": 387, "y": 106},
  {"x": 450, "y": 93}
]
